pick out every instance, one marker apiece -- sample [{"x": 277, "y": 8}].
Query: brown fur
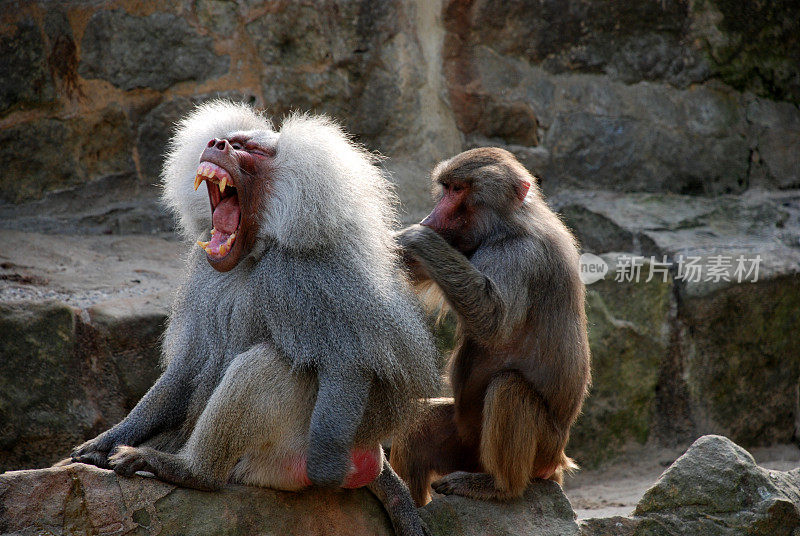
[{"x": 508, "y": 267}]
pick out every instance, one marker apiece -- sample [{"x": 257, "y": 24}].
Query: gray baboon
[
  {"x": 294, "y": 345},
  {"x": 494, "y": 252}
]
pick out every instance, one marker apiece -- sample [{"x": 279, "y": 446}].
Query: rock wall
[
  {"x": 660, "y": 96},
  {"x": 94, "y": 89},
  {"x": 660, "y": 128}
]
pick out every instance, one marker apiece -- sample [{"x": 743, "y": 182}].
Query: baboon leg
[
  {"x": 518, "y": 442},
  {"x": 127, "y": 461},
  {"x": 431, "y": 447},
  {"x": 259, "y": 405}
]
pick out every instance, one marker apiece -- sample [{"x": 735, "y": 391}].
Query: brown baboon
[{"x": 495, "y": 253}]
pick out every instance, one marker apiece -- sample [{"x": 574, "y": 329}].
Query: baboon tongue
[{"x": 226, "y": 215}]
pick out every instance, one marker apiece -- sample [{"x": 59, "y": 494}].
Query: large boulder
[
  {"x": 732, "y": 331},
  {"x": 714, "y": 489},
  {"x": 600, "y": 134},
  {"x": 599, "y": 95},
  {"x": 51, "y": 154},
  {"x": 81, "y": 375},
  {"x": 742, "y": 361},
  {"x": 155, "y": 51},
  {"x": 717, "y": 488},
  {"x": 39, "y": 347},
  {"x": 629, "y": 335}
]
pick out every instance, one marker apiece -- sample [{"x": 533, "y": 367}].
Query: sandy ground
[
  {"x": 614, "y": 489},
  {"x": 84, "y": 270}
]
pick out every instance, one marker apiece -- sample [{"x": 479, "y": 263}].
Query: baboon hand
[
  {"x": 411, "y": 235},
  {"x": 95, "y": 451},
  {"x": 456, "y": 483},
  {"x": 127, "y": 460}
]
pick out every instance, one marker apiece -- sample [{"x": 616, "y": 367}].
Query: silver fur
[{"x": 322, "y": 295}]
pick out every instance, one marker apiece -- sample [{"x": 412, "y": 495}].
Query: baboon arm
[
  {"x": 473, "y": 295},
  {"x": 162, "y": 407},
  {"x": 340, "y": 404}
]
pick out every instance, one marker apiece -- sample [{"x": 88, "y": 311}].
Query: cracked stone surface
[{"x": 714, "y": 489}]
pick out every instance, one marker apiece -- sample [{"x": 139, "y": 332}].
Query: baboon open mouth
[{"x": 225, "y": 211}]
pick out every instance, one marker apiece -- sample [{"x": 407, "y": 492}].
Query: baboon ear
[{"x": 522, "y": 190}]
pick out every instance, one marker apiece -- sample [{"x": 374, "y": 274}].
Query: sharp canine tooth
[
  {"x": 213, "y": 231},
  {"x": 197, "y": 180},
  {"x": 202, "y": 244},
  {"x": 222, "y": 184}
]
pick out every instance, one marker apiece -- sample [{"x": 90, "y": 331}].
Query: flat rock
[
  {"x": 79, "y": 498},
  {"x": 543, "y": 510}
]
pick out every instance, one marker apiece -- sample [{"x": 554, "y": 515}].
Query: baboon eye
[
  {"x": 236, "y": 145},
  {"x": 456, "y": 187},
  {"x": 259, "y": 151}
]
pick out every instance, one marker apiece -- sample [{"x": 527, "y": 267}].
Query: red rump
[{"x": 364, "y": 468}]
